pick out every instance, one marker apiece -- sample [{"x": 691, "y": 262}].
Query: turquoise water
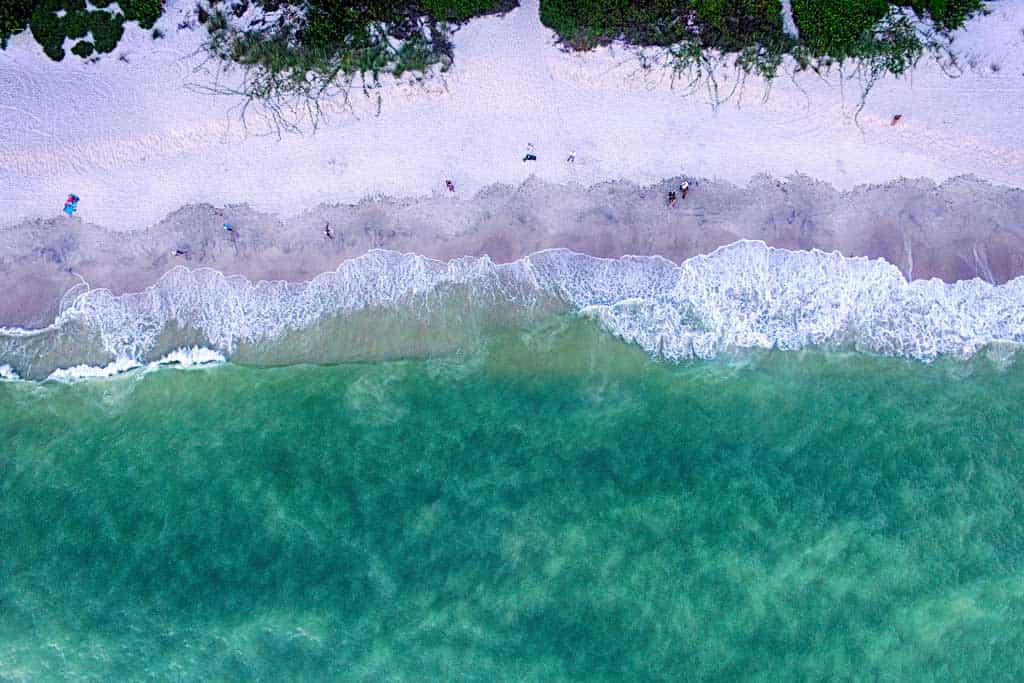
[{"x": 556, "y": 506}]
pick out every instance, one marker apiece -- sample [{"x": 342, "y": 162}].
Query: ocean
[{"x": 552, "y": 501}]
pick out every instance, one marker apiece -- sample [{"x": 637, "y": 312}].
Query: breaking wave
[
  {"x": 179, "y": 358},
  {"x": 745, "y": 295}
]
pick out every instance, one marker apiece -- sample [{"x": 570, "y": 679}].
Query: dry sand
[{"x": 136, "y": 142}]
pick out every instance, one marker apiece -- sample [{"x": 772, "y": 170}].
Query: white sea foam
[
  {"x": 191, "y": 357},
  {"x": 745, "y": 295},
  {"x": 8, "y": 373},
  {"x": 179, "y": 358},
  {"x": 81, "y": 372}
]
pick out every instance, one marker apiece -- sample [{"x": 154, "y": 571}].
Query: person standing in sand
[
  {"x": 531, "y": 153},
  {"x": 327, "y": 231},
  {"x": 683, "y": 189},
  {"x": 572, "y": 157}
]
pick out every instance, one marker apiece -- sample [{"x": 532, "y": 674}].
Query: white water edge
[
  {"x": 179, "y": 358},
  {"x": 746, "y": 295}
]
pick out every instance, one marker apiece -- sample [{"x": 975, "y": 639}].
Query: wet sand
[{"x": 961, "y": 229}]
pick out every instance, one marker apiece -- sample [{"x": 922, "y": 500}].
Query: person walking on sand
[
  {"x": 450, "y": 185},
  {"x": 327, "y": 231},
  {"x": 683, "y": 189},
  {"x": 572, "y": 157},
  {"x": 531, "y": 153},
  {"x": 896, "y": 119},
  {"x": 671, "y": 199}
]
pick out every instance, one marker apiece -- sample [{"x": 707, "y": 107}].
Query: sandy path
[{"x": 135, "y": 143}]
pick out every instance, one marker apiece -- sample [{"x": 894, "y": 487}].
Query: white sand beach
[{"x": 136, "y": 142}]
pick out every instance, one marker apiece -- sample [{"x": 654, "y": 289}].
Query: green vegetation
[
  {"x": 323, "y": 44},
  {"x": 83, "y": 48},
  {"x": 146, "y": 12},
  {"x": 725, "y": 24},
  {"x": 462, "y": 10},
  {"x": 876, "y": 33},
  {"x": 14, "y": 15},
  {"x": 107, "y": 30},
  {"x": 837, "y": 29},
  {"x": 51, "y": 21},
  {"x": 364, "y": 37}
]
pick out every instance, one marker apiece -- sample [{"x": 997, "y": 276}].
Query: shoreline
[
  {"x": 958, "y": 230},
  {"x": 387, "y": 305}
]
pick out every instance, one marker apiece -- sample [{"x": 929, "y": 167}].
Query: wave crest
[{"x": 745, "y": 295}]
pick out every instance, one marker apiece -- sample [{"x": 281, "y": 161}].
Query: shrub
[
  {"x": 829, "y": 29},
  {"x": 76, "y": 23},
  {"x": 107, "y": 30},
  {"x": 723, "y": 24},
  {"x": 14, "y": 16},
  {"x": 948, "y": 14},
  {"x": 82, "y": 48},
  {"x": 837, "y": 28},
  {"x": 146, "y": 12},
  {"x": 47, "y": 29},
  {"x": 461, "y": 10}
]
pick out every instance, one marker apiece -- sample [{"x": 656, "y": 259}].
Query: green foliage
[
  {"x": 83, "y": 49},
  {"x": 837, "y": 28},
  {"x": 461, "y": 10},
  {"x": 948, "y": 14},
  {"x": 830, "y": 30},
  {"x": 723, "y": 24},
  {"x": 107, "y": 30},
  {"x": 76, "y": 23},
  {"x": 14, "y": 16},
  {"x": 50, "y": 30},
  {"x": 367, "y": 37},
  {"x": 146, "y": 12},
  {"x": 871, "y": 31}
]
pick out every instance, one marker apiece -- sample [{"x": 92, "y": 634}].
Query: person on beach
[
  {"x": 572, "y": 157},
  {"x": 531, "y": 153},
  {"x": 229, "y": 228},
  {"x": 71, "y": 204},
  {"x": 450, "y": 185},
  {"x": 896, "y": 119},
  {"x": 179, "y": 252},
  {"x": 671, "y": 199},
  {"x": 327, "y": 231},
  {"x": 683, "y": 189}
]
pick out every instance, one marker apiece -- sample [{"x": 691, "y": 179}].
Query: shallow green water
[{"x": 560, "y": 506}]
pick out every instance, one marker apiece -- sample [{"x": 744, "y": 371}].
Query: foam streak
[{"x": 745, "y": 295}]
